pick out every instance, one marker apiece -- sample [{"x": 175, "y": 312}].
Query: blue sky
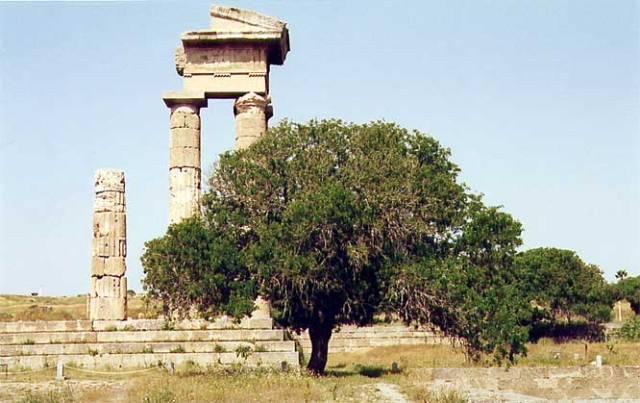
[{"x": 539, "y": 102}]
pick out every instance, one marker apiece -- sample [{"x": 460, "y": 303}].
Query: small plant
[
  {"x": 163, "y": 395},
  {"x": 28, "y": 342},
  {"x": 129, "y": 328},
  {"x": 92, "y": 352},
  {"x": 442, "y": 396},
  {"x": 178, "y": 349},
  {"x": 147, "y": 350},
  {"x": 243, "y": 351},
  {"x": 168, "y": 325},
  {"x": 219, "y": 349},
  {"x": 111, "y": 328},
  {"x": 64, "y": 395},
  {"x": 370, "y": 371}
]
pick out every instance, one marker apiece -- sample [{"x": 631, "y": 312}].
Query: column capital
[
  {"x": 250, "y": 101},
  {"x": 176, "y": 99}
]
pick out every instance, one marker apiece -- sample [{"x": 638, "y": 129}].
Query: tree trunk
[{"x": 320, "y": 334}]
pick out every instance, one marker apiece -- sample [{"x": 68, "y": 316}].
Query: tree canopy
[
  {"x": 333, "y": 223},
  {"x": 562, "y": 285},
  {"x": 629, "y": 288}
]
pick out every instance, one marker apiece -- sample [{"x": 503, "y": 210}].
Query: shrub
[
  {"x": 630, "y": 330},
  {"x": 243, "y": 351}
]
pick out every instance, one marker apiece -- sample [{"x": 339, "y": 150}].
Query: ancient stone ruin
[
  {"x": 230, "y": 60},
  {"x": 108, "y": 296}
]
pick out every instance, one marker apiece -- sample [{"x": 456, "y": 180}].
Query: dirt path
[{"x": 390, "y": 393}]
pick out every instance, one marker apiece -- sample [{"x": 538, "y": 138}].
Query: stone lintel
[
  {"x": 277, "y": 43},
  {"x": 197, "y": 99}
]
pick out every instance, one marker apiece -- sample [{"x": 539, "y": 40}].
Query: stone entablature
[{"x": 233, "y": 57}]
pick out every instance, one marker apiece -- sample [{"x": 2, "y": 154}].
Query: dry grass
[{"x": 20, "y": 307}]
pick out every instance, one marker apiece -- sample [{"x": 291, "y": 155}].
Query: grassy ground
[
  {"x": 350, "y": 377},
  {"x": 20, "y": 307}
]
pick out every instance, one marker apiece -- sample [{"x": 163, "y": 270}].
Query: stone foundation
[
  {"x": 360, "y": 339},
  {"x": 143, "y": 343}
]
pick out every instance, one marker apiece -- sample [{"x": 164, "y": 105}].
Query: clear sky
[{"x": 538, "y": 100}]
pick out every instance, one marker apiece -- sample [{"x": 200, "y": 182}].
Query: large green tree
[
  {"x": 629, "y": 288},
  {"x": 333, "y": 223},
  {"x": 562, "y": 285}
]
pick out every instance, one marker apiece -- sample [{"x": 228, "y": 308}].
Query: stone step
[
  {"x": 142, "y": 336},
  {"x": 45, "y": 326},
  {"x": 378, "y": 329},
  {"x": 129, "y": 361},
  {"x": 222, "y": 323},
  {"x": 133, "y": 348},
  {"x": 48, "y": 337},
  {"x": 381, "y": 335},
  {"x": 361, "y": 342},
  {"x": 132, "y": 324}
]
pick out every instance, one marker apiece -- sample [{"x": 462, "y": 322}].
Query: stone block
[
  {"x": 191, "y": 335},
  {"x": 184, "y": 137},
  {"x": 184, "y": 157},
  {"x": 148, "y": 360},
  {"x": 97, "y": 264},
  {"x": 177, "y": 119},
  {"x": 45, "y": 326},
  {"x": 110, "y": 286},
  {"x": 115, "y": 265},
  {"x": 48, "y": 337},
  {"x": 109, "y": 246},
  {"x": 108, "y": 308},
  {"x": 110, "y": 223},
  {"x": 109, "y": 180},
  {"x": 109, "y": 201},
  {"x": 192, "y": 121},
  {"x": 144, "y": 347}
]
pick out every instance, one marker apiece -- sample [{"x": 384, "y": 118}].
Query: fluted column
[
  {"x": 252, "y": 112},
  {"x": 184, "y": 161},
  {"x": 108, "y": 297}
]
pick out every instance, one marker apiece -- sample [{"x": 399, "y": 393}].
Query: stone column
[
  {"x": 252, "y": 112},
  {"x": 108, "y": 297},
  {"x": 184, "y": 162}
]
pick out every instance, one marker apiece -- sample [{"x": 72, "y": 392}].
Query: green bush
[{"x": 630, "y": 330}]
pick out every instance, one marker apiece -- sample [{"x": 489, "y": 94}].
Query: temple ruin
[{"x": 231, "y": 60}]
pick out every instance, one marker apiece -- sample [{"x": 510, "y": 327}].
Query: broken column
[
  {"x": 108, "y": 297},
  {"x": 252, "y": 112}
]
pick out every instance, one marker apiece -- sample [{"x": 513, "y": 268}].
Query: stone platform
[
  {"x": 144, "y": 343},
  {"x": 360, "y": 339}
]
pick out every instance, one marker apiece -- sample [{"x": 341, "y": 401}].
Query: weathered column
[
  {"x": 184, "y": 161},
  {"x": 252, "y": 112},
  {"x": 108, "y": 297}
]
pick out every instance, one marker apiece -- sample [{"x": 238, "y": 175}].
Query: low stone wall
[
  {"x": 144, "y": 343},
  {"x": 529, "y": 384},
  {"x": 357, "y": 339}
]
